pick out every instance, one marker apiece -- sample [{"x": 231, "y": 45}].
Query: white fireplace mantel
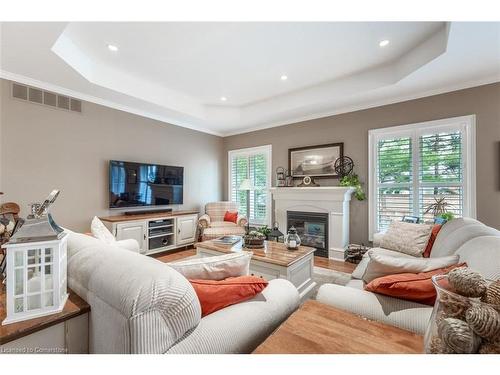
[{"x": 333, "y": 200}]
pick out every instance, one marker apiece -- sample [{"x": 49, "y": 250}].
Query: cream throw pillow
[
  {"x": 100, "y": 231},
  {"x": 215, "y": 268},
  {"x": 407, "y": 238},
  {"x": 384, "y": 265}
]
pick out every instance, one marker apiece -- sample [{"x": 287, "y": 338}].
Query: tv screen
[{"x": 137, "y": 184}]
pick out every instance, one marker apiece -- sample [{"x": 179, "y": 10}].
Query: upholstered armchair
[{"x": 212, "y": 224}]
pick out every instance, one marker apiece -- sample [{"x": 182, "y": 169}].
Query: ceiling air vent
[
  {"x": 76, "y": 105},
  {"x": 19, "y": 91},
  {"x": 62, "y": 102},
  {"x": 35, "y": 95},
  {"x": 47, "y": 98}
]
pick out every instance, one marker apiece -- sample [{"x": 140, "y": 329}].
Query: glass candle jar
[
  {"x": 458, "y": 324},
  {"x": 292, "y": 239}
]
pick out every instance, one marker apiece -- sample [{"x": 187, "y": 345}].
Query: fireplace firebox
[{"x": 312, "y": 228}]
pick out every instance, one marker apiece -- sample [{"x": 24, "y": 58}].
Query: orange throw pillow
[
  {"x": 415, "y": 287},
  {"x": 435, "y": 230},
  {"x": 231, "y": 216},
  {"x": 217, "y": 294}
]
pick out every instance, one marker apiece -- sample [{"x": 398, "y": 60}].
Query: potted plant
[
  {"x": 439, "y": 209},
  {"x": 265, "y": 230},
  {"x": 353, "y": 180}
]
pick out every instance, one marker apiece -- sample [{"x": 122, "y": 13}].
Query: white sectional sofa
[
  {"x": 141, "y": 305},
  {"x": 477, "y": 244}
]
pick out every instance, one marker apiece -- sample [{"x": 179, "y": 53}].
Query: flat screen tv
[{"x": 140, "y": 185}]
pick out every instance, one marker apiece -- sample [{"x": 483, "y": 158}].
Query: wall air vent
[{"x": 47, "y": 98}]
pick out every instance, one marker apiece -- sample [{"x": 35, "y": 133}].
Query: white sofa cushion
[
  {"x": 360, "y": 269},
  {"x": 382, "y": 265},
  {"x": 406, "y": 238},
  {"x": 242, "y": 327},
  {"x": 460, "y": 236},
  {"x": 404, "y": 314},
  {"x": 482, "y": 254},
  {"x": 157, "y": 303},
  {"x": 214, "y": 268},
  {"x": 100, "y": 231},
  {"x": 444, "y": 235}
]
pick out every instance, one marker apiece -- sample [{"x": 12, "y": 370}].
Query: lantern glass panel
[
  {"x": 48, "y": 277},
  {"x": 19, "y": 258},
  {"x": 34, "y": 279},
  {"x": 48, "y": 299},
  {"x": 19, "y": 304},
  {"x": 34, "y": 302},
  {"x": 34, "y": 256},
  {"x": 19, "y": 281},
  {"x": 48, "y": 255}
]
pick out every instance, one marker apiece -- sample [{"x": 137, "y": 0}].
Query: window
[
  {"x": 411, "y": 166},
  {"x": 253, "y": 164}
]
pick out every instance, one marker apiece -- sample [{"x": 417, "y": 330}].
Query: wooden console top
[
  {"x": 74, "y": 306},
  {"x": 120, "y": 218}
]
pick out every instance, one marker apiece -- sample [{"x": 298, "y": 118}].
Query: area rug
[{"x": 327, "y": 276}]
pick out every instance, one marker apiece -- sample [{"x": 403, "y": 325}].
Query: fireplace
[{"x": 312, "y": 228}]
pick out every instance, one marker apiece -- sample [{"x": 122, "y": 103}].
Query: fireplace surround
[{"x": 330, "y": 200}]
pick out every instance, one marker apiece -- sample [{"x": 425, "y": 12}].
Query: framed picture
[{"x": 314, "y": 161}]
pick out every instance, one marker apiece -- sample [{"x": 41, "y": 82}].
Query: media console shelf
[{"x": 155, "y": 232}]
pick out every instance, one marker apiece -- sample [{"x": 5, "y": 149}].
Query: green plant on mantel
[{"x": 353, "y": 181}]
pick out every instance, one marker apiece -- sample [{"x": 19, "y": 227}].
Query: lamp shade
[{"x": 246, "y": 184}]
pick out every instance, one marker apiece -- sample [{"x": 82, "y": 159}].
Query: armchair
[{"x": 212, "y": 224}]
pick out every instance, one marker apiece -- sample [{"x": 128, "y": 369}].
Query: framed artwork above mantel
[{"x": 315, "y": 161}]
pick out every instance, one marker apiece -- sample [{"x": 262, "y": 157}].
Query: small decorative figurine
[{"x": 280, "y": 177}]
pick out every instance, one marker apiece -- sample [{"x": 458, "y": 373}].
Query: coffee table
[
  {"x": 316, "y": 328},
  {"x": 274, "y": 261}
]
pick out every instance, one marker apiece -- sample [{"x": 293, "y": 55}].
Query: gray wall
[
  {"x": 352, "y": 129},
  {"x": 44, "y": 148}
]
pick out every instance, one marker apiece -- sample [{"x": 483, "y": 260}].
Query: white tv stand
[{"x": 155, "y": 232}]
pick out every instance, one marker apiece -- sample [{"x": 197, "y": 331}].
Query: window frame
[
  {"x": 249, "y": 151},
  {"x": 465, "y": 124}
]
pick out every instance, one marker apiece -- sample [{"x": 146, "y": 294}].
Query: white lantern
[
  {"x": 36, "y": 266},
  {"x": 36, "y": 279}
]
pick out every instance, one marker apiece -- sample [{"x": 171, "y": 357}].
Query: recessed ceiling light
[
  {"x": 284, "y": 77},
  {"x": 383, "y": 43},
  {"x": 223, "y": 98},
  {"x": 112, "y": 47}
]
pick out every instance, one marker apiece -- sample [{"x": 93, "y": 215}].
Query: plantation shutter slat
[
  {"x": 239, "y": 168},
  {"x": 438, "y": 160},
  {"x": 394, "y": 176},
  {"x": 440, "y": 165},
  {"x": 253, "y": 166}
]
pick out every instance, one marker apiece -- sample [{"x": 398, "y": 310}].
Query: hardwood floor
[{"x": 335, "y": 265}]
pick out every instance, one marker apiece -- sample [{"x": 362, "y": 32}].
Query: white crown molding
[
  {"x": 346, "y": 109},
  {"x": 368, "y": 105},
  {"x": 107, "y": 103}
]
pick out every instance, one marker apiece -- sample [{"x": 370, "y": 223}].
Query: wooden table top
[
  {"x": 74, "y": 306},
  {"x": 120, "y": 218},
  {"x": 273, "y": 252},
  {"x": 316, "y": 328}
]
